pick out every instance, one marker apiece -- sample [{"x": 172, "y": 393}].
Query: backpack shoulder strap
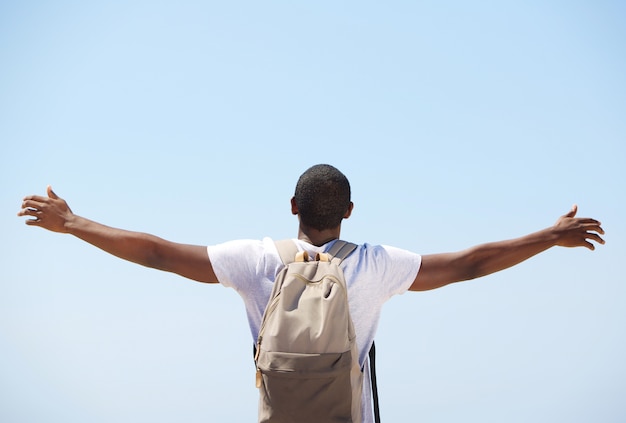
[
  {"x": 287, "y": 250},
  {"x": 340, "y": 250}
]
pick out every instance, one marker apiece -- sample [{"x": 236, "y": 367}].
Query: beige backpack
[{"x": 306, "y": 356}]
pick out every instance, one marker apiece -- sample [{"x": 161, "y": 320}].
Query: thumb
[
  {"x": 572, "y": 212},
  {"x": 51, "y": 193}
]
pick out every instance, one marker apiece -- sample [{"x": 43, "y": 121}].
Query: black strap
[{"x": 374, "y": 384}]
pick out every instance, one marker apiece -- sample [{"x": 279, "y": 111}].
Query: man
[{"x": 321, "y": 201}]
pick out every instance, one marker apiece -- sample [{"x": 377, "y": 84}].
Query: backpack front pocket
[{"x": 315, "y": 387}]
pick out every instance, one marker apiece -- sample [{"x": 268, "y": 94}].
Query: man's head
[{"x": 322, "y": 197}]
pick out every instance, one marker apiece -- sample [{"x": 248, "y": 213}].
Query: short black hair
[{"x": 322, "y": 197}]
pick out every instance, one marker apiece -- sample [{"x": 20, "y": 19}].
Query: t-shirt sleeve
[
  {"x": 381, "y": 271},
  {"x": 249, "y": 267},
  {"x": 238, "y": 264},
  {"x": 405, "y": 266}
]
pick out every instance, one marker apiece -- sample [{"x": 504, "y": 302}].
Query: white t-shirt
[{"x": 374, "y": 273}]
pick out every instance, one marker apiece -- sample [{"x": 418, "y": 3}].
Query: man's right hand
[{"x": 49, "y": 212}]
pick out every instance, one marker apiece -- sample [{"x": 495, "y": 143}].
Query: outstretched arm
[
  {"x": 53, "y": 213},
  {"x": 438, "y": 270}
]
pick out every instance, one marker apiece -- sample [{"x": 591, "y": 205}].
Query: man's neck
[{"x": 317, "y": 237}]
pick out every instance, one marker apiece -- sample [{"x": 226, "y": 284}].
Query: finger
[
  {"x": 597, "y": 238},
  {"x": 28, "y": 212},
  {"x": 35, "y": 213},
  {"x": 37, "y": 198},
  {"x": 592, "y": 226},
  {"x": 32, "y": 204},
  {"x": 596, "y": 228},
  {"x": 588, "y": 220},
  {"x": 587, "y": 223},
  {"x": 51, "y": 193},
  {"x": 573, "y": 211}
]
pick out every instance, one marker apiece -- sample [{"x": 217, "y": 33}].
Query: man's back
[{"x": 373, "y": 275}]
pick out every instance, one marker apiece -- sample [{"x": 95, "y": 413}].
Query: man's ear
[
  {"x": 294, "y": 206},
  {"x": 349, "y": 212}
]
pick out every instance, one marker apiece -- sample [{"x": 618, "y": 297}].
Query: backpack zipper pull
[{"x": 259, "y": 376}]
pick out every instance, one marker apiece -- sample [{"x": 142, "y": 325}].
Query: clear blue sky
[{"x": 456, "y": 122}]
